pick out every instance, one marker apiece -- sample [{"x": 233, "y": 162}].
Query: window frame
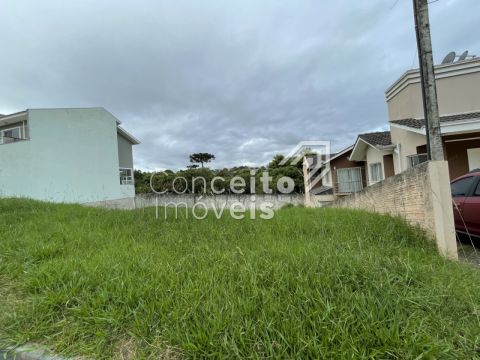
[
  {"x": 476, "y": 187},
  {"x": 371, "y": 172},
  {"x": 132, "y": 179},
  {"x": 351, "y": 172}
]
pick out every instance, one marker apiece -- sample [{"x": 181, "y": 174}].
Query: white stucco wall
[
  {"x": 408, "y": 141},
  {"x": 72, "y": 156},
  {"x": 375, "y": 156}
]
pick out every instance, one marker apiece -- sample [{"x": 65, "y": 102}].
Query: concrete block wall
[
  {"x": 189, "y": 200},
  {"x": 420, "y": 195},
  {"x": 319, "y": 200},
  {"x": 218, "y": 201}
]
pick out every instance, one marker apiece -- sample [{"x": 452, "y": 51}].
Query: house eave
[
  {"x": 357, "y": 153},
  {"x": 13, "y": 118},
  {"x": 340, "y": 153},
  {"x": 127, "y": 135},
  {"x": 460, "y": 127},
  {"x": 454, "y": 127},
  {"x": 420, "y": 131}
]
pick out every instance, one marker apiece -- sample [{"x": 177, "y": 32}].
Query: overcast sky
[{"x": 240, "y": 79}]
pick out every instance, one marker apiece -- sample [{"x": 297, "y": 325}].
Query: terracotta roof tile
[{"x": 381, "y": 138}]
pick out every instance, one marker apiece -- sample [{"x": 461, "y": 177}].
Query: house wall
[
  {"x": 420, "y": 195},
  {"x": 72, "y": 157},
  {"x": 412, "y": 143},
  {"x": 456, "y": 94},
  {"x": 408, "y": 141},
  {"x": 342, "y": 162},
  {"x": 375, "y": 156},
  {"x": 125, "y": 153}
]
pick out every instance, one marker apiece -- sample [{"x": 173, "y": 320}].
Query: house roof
[
  {"x": 377, "y": 139},
  {"x": 121, "y": 131},
  {"x": 380, "y": 140},
  {"x": 313, "y": 161},
  {"x": 341, "y": 152},
  {"x": 420, "y": 123}
]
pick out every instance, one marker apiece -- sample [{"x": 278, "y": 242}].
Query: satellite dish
[
  {"x": 450, "y": 58},
  {"x": 463, "y": 56}
]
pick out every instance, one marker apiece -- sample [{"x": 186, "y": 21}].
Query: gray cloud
[{"x": 241, "y": 79}]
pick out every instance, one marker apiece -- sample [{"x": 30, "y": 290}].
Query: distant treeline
[{"x": 199, "y": 180}]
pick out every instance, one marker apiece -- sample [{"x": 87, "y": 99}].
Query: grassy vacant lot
[{"x": 309, "y": 283}]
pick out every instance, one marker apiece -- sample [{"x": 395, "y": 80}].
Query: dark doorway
[{"x": 388, "y": 165}]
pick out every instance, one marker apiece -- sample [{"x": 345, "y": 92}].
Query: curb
[{"x": 28, "y": 353}]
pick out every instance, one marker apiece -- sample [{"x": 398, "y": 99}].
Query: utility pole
[{"x": 427, "y": 74}]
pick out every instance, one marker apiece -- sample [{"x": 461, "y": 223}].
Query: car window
[
  {"x": 477, "y": 190},
  {"x": 461, "y": 187}
]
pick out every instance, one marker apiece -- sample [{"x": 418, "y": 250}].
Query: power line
[{"x": 396, "y": 2}]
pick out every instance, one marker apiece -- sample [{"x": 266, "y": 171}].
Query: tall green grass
[{"x": 310, "y": 283}]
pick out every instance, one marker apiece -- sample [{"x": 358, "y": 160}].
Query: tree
[
  {"x": 201, "y": 158},
  {"x": 275, "y": 163},
  {"x": 193, "y": 166}
]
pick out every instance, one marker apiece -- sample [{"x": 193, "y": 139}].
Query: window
[
  {"x": 477, "y": 190},
  {"x": 9, "y": 135},
  {"x": 126, "y": 177},
  {"x": 349, "y": 180},
  {"x": 414, "y": 160},
  {"x": 473, "y": 156},
  {"x": 376, "y": 172},
  {"x": 462, "y": 186}
]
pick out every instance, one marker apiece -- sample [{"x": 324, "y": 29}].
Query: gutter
[{"x": 385, "y": 147}]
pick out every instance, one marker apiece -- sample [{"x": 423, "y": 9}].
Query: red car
[{"x": 466, "y": 196}]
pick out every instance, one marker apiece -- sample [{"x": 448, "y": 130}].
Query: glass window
[
  {"x": 376, "y": 173},
  {"x": 349, "y": 180},
  {"x": 126, "y": 177},
  {"x": 477, "y": 190},
  {"x": 462, "y": 186}
]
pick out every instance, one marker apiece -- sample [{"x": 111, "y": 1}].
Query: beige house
[
  {"x": 376, "y": 151},
  {"x": 379, "y": 155},
  {"x": 458, "y": 87},
  {"x": 335, "y": 175}
]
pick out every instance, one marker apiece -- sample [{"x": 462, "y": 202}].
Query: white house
[{"x": 66, "y": 155}]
